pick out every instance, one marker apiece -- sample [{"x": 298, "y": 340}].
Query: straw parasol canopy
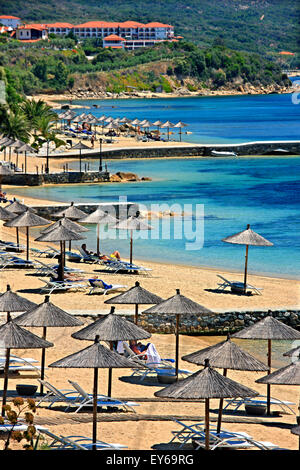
[
  {"x": 27, "y": 219},
  {"x": 178, "y": 305},
  {"x": 17, "y": 207},
  {"x": 46, "y": 315},
  {"x": 12, "y": 302},
  {"x": 95, "y": 357},
  {"x": 72, "y": 212},
  {"x": 168, "y": 124},
  {"x": 134, "y": 222},
  {"x": 111, "y": 328},
  {"x": 68, "y": 223},
  {"x": 269, "y": 329},
  {"x": 99, "y": 217},
  {"x": 247, "y": 237},
  {"x": 5, "y": 214},
  {"x": 206, "y": 383},
  {"x": 288, "y": 375},
  {"x": 135, "y": 295},
  {"x": 60, "y": 234},
  {"x": 80, "y": 146},
  {"x": 26, "y": 148},
  {"x": 180, "y": 125},
  {"x": 13, "y": 336},
  {"x": 226, "y": 355}
]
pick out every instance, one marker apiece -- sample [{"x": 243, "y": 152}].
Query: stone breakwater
[
  {"x": 218, "y": 324},
  {"x": 31, "y": 179}
]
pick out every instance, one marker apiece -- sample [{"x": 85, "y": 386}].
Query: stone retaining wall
[
  {"x": 251, "y": 148},
  {"x": 117, "y": 209},
  {"x": 220, "y": 323},
  {"x": 31, "y": 179}
]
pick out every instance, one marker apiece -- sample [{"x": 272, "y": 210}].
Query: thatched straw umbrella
[
  {"x": 12, "y": 302},
  {"x": 46, "y": 315},
  {"x": 26, "y": 148},
  {"x": 6, "y": 215},
  {"x": 293, "y": 352},
  {"x": 268, "y": 329},
  {"x": 69, "y": 224},
  {"x": 226, "y": 355},
  {"x": 4, "y": 171},
  {"x": 206, "y": 383},
  {"x": 168, "y": 124},
  {"x": 99, "y": 217},
  {"x": 288, "y": 375},
  {"x": 13, "y": 336},
  {"x": 72, "y": 212},
  {"x": 27, "y": 219},
  {"x": 15, "y": 145},
  {"x": 134, "y": 222},
  {"x": 136, "y": 295},
  {"x": 111, "y": 327},
  {"x": 17, "y": 207},
  {"x": 178, "y": 305},
  {"x": 247, "y": 237},
  {"x": 60, "y": 234},
  {"x": 81, "y": 146},
  {"x": 180, "y": 125},
  {"x": 94, "y": 357}
]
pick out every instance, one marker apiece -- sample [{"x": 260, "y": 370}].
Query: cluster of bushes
[{"x": 52, "y": 65}]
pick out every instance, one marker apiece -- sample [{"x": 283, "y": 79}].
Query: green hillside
[{"x": 252, "y": 25}]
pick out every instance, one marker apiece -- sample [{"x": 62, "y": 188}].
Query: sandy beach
[{"x": 198, "y": 284}]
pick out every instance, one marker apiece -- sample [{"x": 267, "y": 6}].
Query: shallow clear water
[
  {"x": 211, "y": 119},
  {"x": 263, "y": 192}
]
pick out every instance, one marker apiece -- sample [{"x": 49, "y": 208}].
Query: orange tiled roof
[
  {"x": 7, "y": 17},
  {"x": 157, "y": 25},
  {"x": 113, "y": 37},
  {"x": 97, "y": 24},
  {"x": 39, "y": 27},
  {"x": 286, "y": 53},
  {"x": 60, "y": 25}
]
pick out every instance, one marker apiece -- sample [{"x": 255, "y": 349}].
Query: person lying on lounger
[{"x": 102, "y": 256}]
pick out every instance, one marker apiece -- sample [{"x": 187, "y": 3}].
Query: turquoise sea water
[
  {"x": 261, "y": 191},
  {"x": 212, "y": 119}
]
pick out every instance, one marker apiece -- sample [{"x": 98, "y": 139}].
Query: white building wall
[{"x": 10, "y": 22}]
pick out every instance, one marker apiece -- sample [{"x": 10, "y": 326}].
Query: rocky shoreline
[{"x": 89, "y": 94}]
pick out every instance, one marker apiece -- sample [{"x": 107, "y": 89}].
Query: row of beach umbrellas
[
  {"x": 18, "y": 146},
  {"x": 206, "y": 383},
  {"x": 108, "y": 122}
]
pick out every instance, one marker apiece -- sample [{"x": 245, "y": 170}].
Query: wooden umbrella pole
[
  {"x": 98, "y": 239},
  {"x": 130, "y": 246},
  {"x": 95, "y": 395},
  {"x": 6, "y": 367},
  {"x": 110, "y": 374},
  {"x": 246, "y": 267},
  {"x": 136, "y": 314},
  {"x": 43, "y": 361},
  {"x": 207, "y": 423},
  {"x": 27, "y": 243},
  {"x": 269, "y": 372},
  {"x": 177, "y": 347},
  {"x": 221, "y": 408},
  {"x": 18, "y": 239}
]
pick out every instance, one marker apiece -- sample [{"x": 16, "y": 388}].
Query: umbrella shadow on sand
[
  {"x": 147, "y": 382},
  {"x": 217, "y": 291}
]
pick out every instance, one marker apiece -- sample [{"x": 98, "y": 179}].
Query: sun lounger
[
  {"x": 54, "y": 396},
  {"x": 258, "y": 400},
  {"x": 51, "y": 269},
  {"x": 15, "y": 262},
  {"x": 51, "y": 286},
  {"x": 121, "y": 266},
  {"x": 102, "y": 400},
  {"x": 234, "y": 442},
  {"x": 237, "y": 286},
  {"x": 77, "y": 442},
  {"x": 99, "y": 286},
  {"x": 162, "y": 367},
  {"x": 88, "y": 258}
]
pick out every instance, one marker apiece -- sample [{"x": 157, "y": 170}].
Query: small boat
[{"x": 215, "y": 153}]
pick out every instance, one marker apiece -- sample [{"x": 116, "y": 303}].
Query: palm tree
[
  {"x": 37, "y": 110},
  {"x": 14, "y": 125},
  {"x": 46, "y": 133}
]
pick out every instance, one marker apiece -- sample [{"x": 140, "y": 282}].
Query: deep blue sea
[
  {"x": 212, "y": 119},
  {"x": 261, "y": 191}
]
